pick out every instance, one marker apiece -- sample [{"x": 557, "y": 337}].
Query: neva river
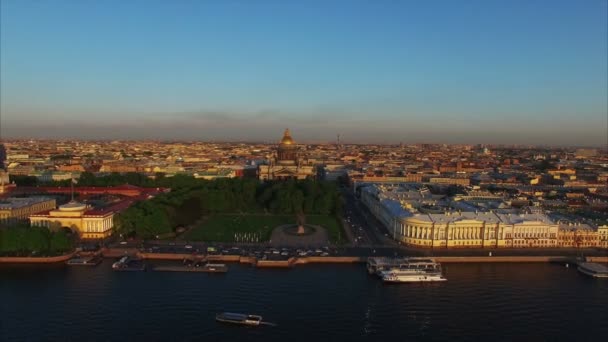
[{"x": 503, "y": 302}]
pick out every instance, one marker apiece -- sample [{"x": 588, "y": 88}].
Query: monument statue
[{"x": 300, "y": 222}]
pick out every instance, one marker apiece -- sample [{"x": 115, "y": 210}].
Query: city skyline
[{"x": 523, "y": 73}]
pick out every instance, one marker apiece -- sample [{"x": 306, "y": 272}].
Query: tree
[
  {"x": 297, "y": 201},
  {"x": 37, "y": 239},
  {"x": 23, "y": 180},
  {"x": 60, "y": 242},
  {"x": 87, "y": 179}
]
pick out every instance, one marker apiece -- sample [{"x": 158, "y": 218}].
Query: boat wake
[{"x": 269, "y": 324}]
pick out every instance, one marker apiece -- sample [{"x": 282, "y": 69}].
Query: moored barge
[{"x": 593, "y": 269}]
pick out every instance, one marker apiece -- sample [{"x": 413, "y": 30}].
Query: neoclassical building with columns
[
  {"x": 456, "y": 229},
  {"x": 88, "y": 222},
  {"x": 477, "y": 230}
]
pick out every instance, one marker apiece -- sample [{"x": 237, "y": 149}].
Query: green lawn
[
  {"x": 222, "y": 228},
  {"x": 331, "y": 223}
]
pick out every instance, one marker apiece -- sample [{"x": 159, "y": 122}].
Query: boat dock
[{"x": 377, "y": 264}]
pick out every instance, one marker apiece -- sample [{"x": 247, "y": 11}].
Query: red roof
[
  {"x": 126, "y": 189},
  {"x": 116, "y": 207}
]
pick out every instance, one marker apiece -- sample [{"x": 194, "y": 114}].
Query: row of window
[{"x": 98, "y": 226}]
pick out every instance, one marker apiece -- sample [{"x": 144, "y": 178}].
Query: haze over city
[{"x": 525, "y": 72}]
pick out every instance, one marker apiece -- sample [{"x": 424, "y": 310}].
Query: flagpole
[{"x": 72, "y": 184}]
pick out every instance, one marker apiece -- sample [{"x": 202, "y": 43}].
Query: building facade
[
  {"x": 288, "y": 164},
  {"x": 15, "y": 210},
  {"x": 578, "y": 236},
  {"x": 478, "y": 229},
  {"x": 5, "y": 185},
  {"x": 90, "y": 224}
]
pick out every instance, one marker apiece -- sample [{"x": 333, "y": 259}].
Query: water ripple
[{"x": 325, "y": 302}]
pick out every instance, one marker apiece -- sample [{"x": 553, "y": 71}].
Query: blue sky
[{"x": 520, "y": 71}]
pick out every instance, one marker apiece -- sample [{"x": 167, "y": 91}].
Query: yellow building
[
  {"x": 602, "y": 232},
  {"x": 455, "y": 229},
  {"x": 287, "y": 164},
  {"x": 529, "y": 230},
  {"x": 90, "y": 224},
  {"x": 5, "y": 185},
  {"x": 577, "y": 235},
  {"x": 13, "y": 210},
  {"x": 477, "y": 230}
]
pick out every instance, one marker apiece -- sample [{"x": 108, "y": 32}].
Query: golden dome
[{"x": 287, "y": 139}]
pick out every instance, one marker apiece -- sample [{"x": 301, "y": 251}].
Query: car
[
  {"x": 324, "y": 254},
  {"x": 123, "y": 242},
  {"x": 188, "y": 246}
]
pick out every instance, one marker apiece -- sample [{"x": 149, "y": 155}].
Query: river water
[{"x": 502, "y": 302}]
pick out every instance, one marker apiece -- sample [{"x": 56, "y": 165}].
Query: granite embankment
[
  {"x": 118, "y": 252},
  {"x": 36, "y": 260}
]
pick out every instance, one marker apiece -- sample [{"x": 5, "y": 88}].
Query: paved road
[
  {"x": 371, "y": 230},
  {"x": 261, "y": 250}
]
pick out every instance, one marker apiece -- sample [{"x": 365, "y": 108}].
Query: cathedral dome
[{"x": 287, "y": 139}]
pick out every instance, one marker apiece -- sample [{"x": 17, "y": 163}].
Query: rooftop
[{"x": 16, "y": 202}]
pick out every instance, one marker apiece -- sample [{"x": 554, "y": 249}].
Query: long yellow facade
[
  {"x": 13, "y": 210},
  {"x": 483, "y": 229}
]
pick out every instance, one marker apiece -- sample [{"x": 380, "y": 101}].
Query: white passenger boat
[
  {"x": 411, "y": 277},
  {"x": 593, "y": 269},
  {"x": 413, "y": 270}
]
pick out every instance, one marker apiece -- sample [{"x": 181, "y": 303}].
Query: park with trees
[
  {"x": 23, "y": 240},
  {"x": 208, "y": 207}
]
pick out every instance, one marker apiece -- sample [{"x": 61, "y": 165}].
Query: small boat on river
[
  {"x": 127, "y": 263},
  {"x": 238, "y": 318}
]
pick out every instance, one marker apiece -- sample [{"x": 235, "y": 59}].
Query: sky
[{"x": 383, "y": 71}]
